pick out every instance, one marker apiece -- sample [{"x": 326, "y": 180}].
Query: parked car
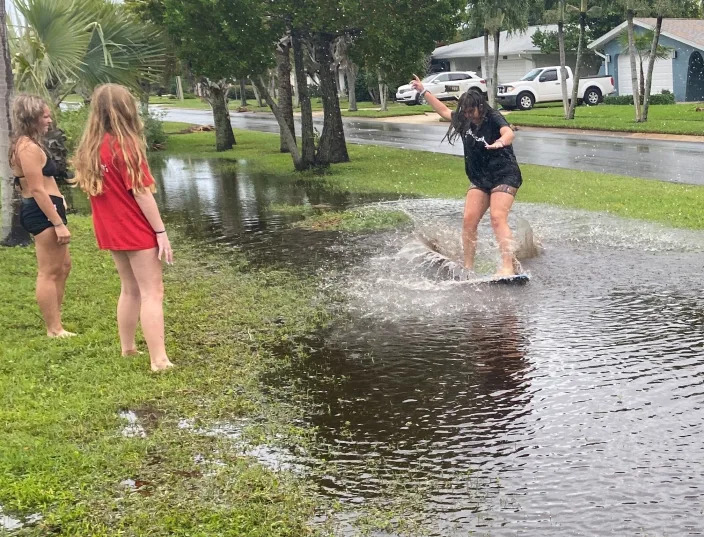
[
  {"x": 445, "y": 86},
  {"x": 543, "y": 85}
]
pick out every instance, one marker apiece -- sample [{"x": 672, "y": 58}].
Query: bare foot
[
  {"x": 60, "y": 334},
  {"x": 132, "y": 352},
  {"x": 505, "y": 272},
  {"x": 162, "y": 365}
]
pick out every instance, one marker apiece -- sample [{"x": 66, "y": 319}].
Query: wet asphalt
[{"x": 664, "y": 160}]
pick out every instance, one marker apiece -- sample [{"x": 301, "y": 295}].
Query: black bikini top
[{"x": 49, "y": 170}]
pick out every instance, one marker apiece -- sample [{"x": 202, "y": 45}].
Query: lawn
[
  {"x": 404, "y": 172},
  {"x": 666, "y": 119},
  {"x": 62, "y": 452}
]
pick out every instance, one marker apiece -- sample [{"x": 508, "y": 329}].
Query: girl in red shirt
[{"x": 111, "y": 167}]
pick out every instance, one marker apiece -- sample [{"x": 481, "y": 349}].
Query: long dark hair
[{"x": 459, "y": 124}]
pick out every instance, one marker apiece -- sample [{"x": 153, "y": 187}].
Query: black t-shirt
[{"x": 489, "y": 167}]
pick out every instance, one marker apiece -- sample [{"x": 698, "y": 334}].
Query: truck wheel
[
  {"x": 525, "y": 101},
  {"x": 421, "y": 99},
  {"x": 592, "y": 96}
]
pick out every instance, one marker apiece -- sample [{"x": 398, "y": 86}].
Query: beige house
[{"x": 518, "y": 55}]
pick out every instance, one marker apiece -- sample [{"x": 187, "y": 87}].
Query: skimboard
[{"x": 516, "y": 279}]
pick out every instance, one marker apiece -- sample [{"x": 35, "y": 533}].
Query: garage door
[
  {"x": 662, "y": 75},
  {"x": 512, "y": 69}
]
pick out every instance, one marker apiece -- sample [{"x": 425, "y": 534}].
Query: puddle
[
  {"x": 569, "y": 406},
  {"x": 9, "y": 523}
]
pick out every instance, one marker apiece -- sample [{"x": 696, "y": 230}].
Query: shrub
[
  {"x": 666, "y": 97},
  {"x": 154, "y": 130},
  {"x": 72, "y": 122}
]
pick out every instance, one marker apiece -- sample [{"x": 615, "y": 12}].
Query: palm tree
[
  {"x": 632, "y": 7},
  {"x": 661, "y": 8},
  {"x": 11, "y": 233},
  {"x": 583, "y": 13},
  {"x": 642, "y": 44},
  {"x": 493, "y": 16},
  {"x": 558, "y": 15},
  {"x": 68, "y": 46}
]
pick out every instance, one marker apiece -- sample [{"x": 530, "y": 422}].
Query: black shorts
[
  {"x": 497, "y": 185},
  {"x": 33, "y": 219}
]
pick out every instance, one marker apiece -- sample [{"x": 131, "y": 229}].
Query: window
[
  {"x": 548, "y": 76},
  {"x": 531, "y": 75},
  {"x": 459, "y": 76},
  {"x": 442, "y": 78}
]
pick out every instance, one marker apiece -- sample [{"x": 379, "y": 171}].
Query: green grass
[
  {"x": 62, "y": 453},
  {"x": 355, "y": 220},
  {"x": 665, "y": 119},
  {"x": 403, "y": 172}
]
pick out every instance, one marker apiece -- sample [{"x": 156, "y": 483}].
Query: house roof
[
  {"x": 516, "y": 43},
  {"x": 687, "y": 31}
]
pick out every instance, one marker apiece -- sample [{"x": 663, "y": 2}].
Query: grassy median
[{"x": 665, "y": 119}]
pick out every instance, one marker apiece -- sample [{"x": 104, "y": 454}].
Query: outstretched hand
[
  {"x": 417, "y": 84},
  {"x": 498, "y": 144}
]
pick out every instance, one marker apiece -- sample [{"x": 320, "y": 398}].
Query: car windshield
[{"x": 531, "y": 75}]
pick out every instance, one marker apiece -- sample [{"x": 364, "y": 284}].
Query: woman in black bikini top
[{"x": 43, "y": 212}]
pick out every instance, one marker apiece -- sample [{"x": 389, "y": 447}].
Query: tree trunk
[
  {"x": 383, "y": 92},
  {"x": 487, "y": 76},
  {"x": 634, "y": 69},
  {"x": 257, "y": 95},
  {"x": 283, "y": 73},
  {"x": 307, "y": 133},
  {"x": 11, "y": 233},
  {"x": 651, "y": 66},
  {"x": 641, "y": 85},
  {"x": 217, "y": 97},
  {"x": 332, "y": 147},
  {"x": 287, "y": 132},
  {"x": 179, "y": 88},
  {"x": 243, "y": 92},
  {"x": 374, "y": 94},
  {"x": 563, "y": 71},
  {"x": 296, "y": 97},
  {"x": 578, "y": 65},
  {"x": 495, "y": 70},
  {"x": 351, "y": 86}
]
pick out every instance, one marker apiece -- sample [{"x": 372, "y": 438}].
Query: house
[
  {"x": 682, "y": 72},
  {"x": 518, "y": 55}
]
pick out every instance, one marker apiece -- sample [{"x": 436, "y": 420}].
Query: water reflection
[
  {"x": 220, "y": 201},
  {"x": 428, "y": 403}
]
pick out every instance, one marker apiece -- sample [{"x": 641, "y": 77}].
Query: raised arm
[{"x": 439, "y": 107}]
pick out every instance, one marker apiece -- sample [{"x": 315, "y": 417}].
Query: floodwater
[{"x": 569, "y": 406}]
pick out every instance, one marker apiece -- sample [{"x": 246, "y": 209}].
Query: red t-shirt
[{"x": 118, "y": 221}]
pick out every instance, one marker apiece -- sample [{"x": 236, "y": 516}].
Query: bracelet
[
  {"x": 58, "y": 225},
  {"x": 425, "y": 90},
  {"x": 162, "y": 231}
]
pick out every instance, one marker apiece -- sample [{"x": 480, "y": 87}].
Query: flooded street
[{"x": 569, "y": 406}]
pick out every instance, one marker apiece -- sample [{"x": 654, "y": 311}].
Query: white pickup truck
[{"x": 543, "y": 84}]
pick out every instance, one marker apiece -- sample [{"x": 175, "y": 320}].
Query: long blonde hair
[
  {"x": 27, "y": 110},
  {"x": 113, "y": 110}
]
